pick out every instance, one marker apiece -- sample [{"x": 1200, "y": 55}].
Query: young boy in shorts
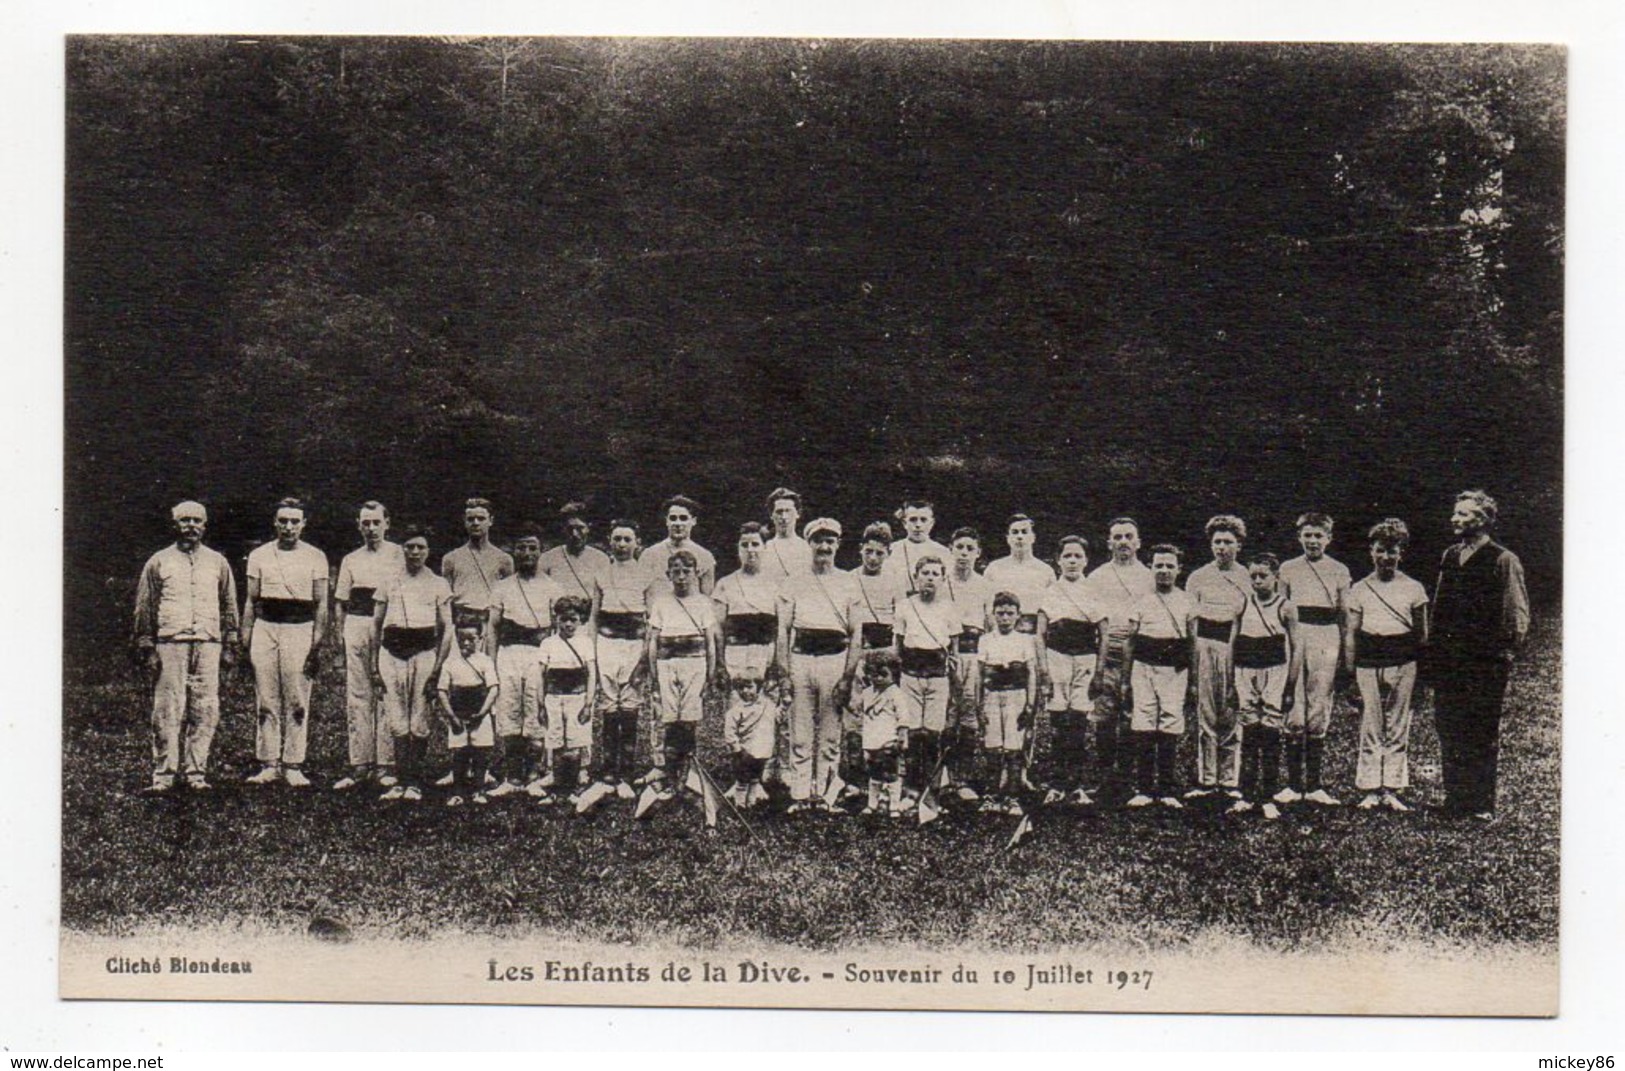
[
  {"x": 1069, "y": 621},
  {"x": 682, "y": 656},
  {"x": 569, "y": 678},
  {"x": 1268, "y": 660},
  {"x": 467, "y": 689},
  {"x": 972, "y": 596},
  {"x": 1318, "y": 586},
  {"x": 748, "y": 734},
  {"x": 1009, "y": 698},
  {"x": 1158, "y": 657},
  {"x": 874, "y": 612},
  {"x": 620, "y": 608},
  {"x": 923, "y": 638},
  {"x": 879, "y": 704}
]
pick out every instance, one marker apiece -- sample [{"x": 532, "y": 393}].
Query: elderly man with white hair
[{"x": 185, "y": 623}]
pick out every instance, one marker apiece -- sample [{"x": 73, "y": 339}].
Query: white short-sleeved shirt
[
  {"x": 1071, "y": 600},
  {"x": 877, "y": 596},
  {"x": 903, "y": 557},
  {"x": 1009, "y": 648},
  {"x": 558, "y": 653},
  {"x": 1315, "y": 584},
  {"x": 1116, "y": 588},
  {"x": 1162, "y": 617},
  {"x": 573, "y": 572},
  {"x": 790, "y": 556},
  {"x": 368, "y": 568},
  {"x": 1219, "y": 594},
  {"x": 927, "y": 626},
  {"x": 473, "y": 575},
  {"x": 972, "y": 599},
  {"x": 415, "y": 601},
  {"x": 1387, "y": 609},
  {"x": 742, "y": 593},
  {"x": 1026, "y": 580},
  {"x": 287, "y": 574},
  {"x": 655, "y": 558},
  {"x": 623, "y": 587},
  {"x": 689, "y": 616},
  {"x": 527, "y": 602},
  {"x": 829, "y": 601},
  {"x": 477, "y": 670}
]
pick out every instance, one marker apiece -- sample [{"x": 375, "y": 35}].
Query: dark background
[{"x": 1078, "y": 279}]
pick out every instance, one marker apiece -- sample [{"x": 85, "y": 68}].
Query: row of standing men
[{"x": 1108, "y": 654}]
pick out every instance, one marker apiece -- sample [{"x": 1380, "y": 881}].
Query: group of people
[{"x": 911, "y": 679}]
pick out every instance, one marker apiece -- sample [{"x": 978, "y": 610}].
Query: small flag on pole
[
  {"x": 692, "y": 782},
  {"x": 713, "y": 804},
  {"x": 1022, "y": 830},
  {"x": 928, "y": 810},
  {"x": 646, "y": 800}
]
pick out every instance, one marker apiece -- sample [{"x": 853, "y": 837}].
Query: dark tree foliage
[{"x": 1073, "y": 278}]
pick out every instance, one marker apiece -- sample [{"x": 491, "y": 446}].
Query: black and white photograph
[{"x": 862, "y": 523}]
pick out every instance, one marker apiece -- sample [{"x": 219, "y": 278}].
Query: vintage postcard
[{"x": 832, "y": 523}]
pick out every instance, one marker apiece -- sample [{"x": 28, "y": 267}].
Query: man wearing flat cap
[{"x": 185, "y": 623}]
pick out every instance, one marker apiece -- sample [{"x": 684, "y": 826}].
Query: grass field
[{"x": 1149, "y": 878}]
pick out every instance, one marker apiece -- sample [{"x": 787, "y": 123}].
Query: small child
[
  {"x": 1268, "y": 659},
  {"x": 569, "y": 679},
  {"x": 467, "y": 690},
  {"x": 881, "y": 701},
  {"x": 748, "y": 734},
  {"x": 1009, "y": 698}
]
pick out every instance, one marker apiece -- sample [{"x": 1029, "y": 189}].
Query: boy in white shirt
[
  {"x": 1157, "y": 658},
  {"x": 1009, "y": 697},
  {"x": 467, "y": 688},
  {"x": 569, "y": 677}
]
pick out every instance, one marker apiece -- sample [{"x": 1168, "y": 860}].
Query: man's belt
[
  {"x": 620, "y": 625},
  {"x": 1070, "y": 636},
  {"x": 403, "y": 642},
  {"x": 512, "y": 632},
  {"x": 1260, "y": 652},
  {"x": 680, "y": 647},
  {"x": 1005, "y": 678},
  {"x": 1317, "y": 615},
  {"x": 1162, "y": 651},
  {"x": 968, "y": 642},
  {"x": 1383, "y": 652},
  {"x": 1213, "y": 630},
  {"x": 466, "y": 700},
  {"x": 749, "y": 630},
  {"x": 925, "y": 662},
  {"x": 361, "y": 601},
  {"x": 287, "y": 611},
  {"x": 566, "y": 680},
  {"x": 819, "y": 641},
  {"x": 876, "y": 634}
]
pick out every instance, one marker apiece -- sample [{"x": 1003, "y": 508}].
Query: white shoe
[
  {"x": 394, "y": 792},
  {"x": 387, "y": 780},
  {"x": 546, "y": 799},
  {"x": 1233, "y": 793},
  {"x": 967, "y": 794},
  {"x": 592, "y": 795},
  {"x": 1080, "y": 798},
  {"x": 1369, "y": 802},
  {"x": 480, "y": 798},
  {"x": 490, "y": 778},
  {"x": 547, "y": 780},
  {"x": 1053, "y": 796},
  {"x": 506, "y": 788},
  {"x": 1394, "y": 803},
  {"x": 1140, "y": 799},
  {"x": 991, "y": 805},
  {"x": 295, "y": 777},
  {"x": 1240, "y": 807},
  {"x": 446, "y": 781},
  {"x": 1199, "y": 793},
  {"x": 1287, "y": 795},
  {"x": 268, "y": 775},
  {"x": 654, "y": 774},
  {"x": 346, "y": 783},
  {"x": 1322, "y": 797},
  {"x": 411, "y": 794},
  {"x": 1271, "y": 811},
  {"x": 756, "y": 795},
  {"x": 625, "y": 791},
  {"x": 454, "y": 801},
  {"x": 198, "y": 783},
  {"x": 1013, "y": 806},
  {"x": 1172, "y": 803}
]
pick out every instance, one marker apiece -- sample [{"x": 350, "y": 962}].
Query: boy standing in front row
[
  {"x": 1157, "y": 658},
  {"x": 467, "y": 688},
  {"x": 620, "y": 604},
  {"x": 569, "y": 678},
  {"x": 1009, "y": 700},
  {"x": 1318, "y": 585},
  {"x": 748, "y": 734},
  {"x": 1268, "y": 661},
  {"x": 1387, "y": 624},
  {"x": 880, "y": 705},
  {"x": 1220, "y": 589}
]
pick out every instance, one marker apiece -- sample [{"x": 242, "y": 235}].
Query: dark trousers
[
  {"x": 1467, "y": 715},
  {"x": 617, "y": 762}
]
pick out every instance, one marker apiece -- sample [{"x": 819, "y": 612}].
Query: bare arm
[
  {"x": 1355, "y": 617},
  {"x": 250, "y": 609}
]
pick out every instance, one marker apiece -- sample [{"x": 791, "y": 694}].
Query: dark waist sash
[
  {"x": 361, "y": 601},
  {"x": 620, "y": 625},
  {"x": 819, "y": 641},
  {"x": 968, "y": 642},
  {"x": 1158, "y": 651},
  {"x": 287, "y": 611},
  {"x": 1006, "y": 678},
  {"x": 680, "y": 647},
  {"x": 466, "y": 699},
  {"x": 1070, "y": 636},
  {"x": 1260, "y": 652},
  {"x": 512, "y": 632},
  {"x": 1027, "y": 623},
  {"x": 925, "y": 662},
  {"x": 1317, "y": 615},
  {"x": 403, "y": 642},
  {"x": 566, "y": 680},
  {"x": 749, "y": 630},
  {"x": 876, "y": 634},
  {"x": 1381, "y": 652},
  {"x": 1213, "y": 630}
]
